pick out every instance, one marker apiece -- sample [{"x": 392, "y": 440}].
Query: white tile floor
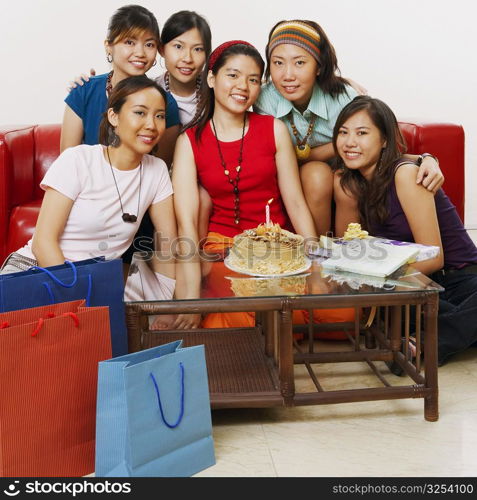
[{"x": 383, "y": 438}]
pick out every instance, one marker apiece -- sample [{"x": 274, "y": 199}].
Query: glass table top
[{"x": 218, "y": 281}]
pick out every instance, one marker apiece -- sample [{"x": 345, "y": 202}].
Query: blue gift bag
[
  {"x": 153, "y": 414},
  {"x": 98, "y": 281}
]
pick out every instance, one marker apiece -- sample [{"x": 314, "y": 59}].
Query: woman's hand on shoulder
[
  {"x": 80, "y": 80},
  {"x": 430, "y": 174},
  {"x": 360, "y": 90}
]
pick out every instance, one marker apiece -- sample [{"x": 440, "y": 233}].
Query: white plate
[{"x": 290, "y": 273}]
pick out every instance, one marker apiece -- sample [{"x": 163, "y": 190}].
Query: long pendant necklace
[
  {"x": 302, "y": 148},
  {"x": 126, "y": 217},
  {"x": 238, "y": 168}
]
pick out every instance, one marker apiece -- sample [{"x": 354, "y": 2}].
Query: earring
[
  {"x": 109, "y": 58},
  {"x": 113, "y": 138},
  {"x": 380, "y": 161},
  {"x": 155, "y": 62}
]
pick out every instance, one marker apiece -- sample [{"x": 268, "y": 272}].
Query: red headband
[{"x": 221, "y": 48}]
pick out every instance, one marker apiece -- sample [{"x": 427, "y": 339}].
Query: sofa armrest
[
  {"x": 26, "y": 153},
  {"x": 16, "y": 173}
]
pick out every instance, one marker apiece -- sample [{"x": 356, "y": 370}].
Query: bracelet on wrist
[{"x": 421, "y": 157}]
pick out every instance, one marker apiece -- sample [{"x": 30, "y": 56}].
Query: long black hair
[{"x": 372, "y": 195}]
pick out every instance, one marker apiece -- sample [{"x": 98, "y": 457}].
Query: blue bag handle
[
  {"x": 52, "y": 297},
  {"x": 55, "y": 279},
  {"x": 181, "y": 415}
]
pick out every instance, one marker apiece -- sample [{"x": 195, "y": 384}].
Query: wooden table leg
[
  {"x": 431, "y": 402},
  {"x": 285, "y": 361},
  {"x": 269, "y": 331},
  {"x": 396, "y": 328}
]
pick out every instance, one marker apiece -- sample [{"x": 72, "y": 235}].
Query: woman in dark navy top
[{"x": 390, "y": 204}]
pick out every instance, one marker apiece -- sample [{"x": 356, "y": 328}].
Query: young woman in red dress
[{"x": 242, "y": 159}]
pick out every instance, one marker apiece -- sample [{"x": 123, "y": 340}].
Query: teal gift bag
[{"x": 153, "y": 414}]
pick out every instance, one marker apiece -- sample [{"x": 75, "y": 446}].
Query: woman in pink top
[{"x": 96, "y": 196}]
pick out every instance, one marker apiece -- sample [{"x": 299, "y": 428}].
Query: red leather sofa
[{"x": 26, "y": 152}]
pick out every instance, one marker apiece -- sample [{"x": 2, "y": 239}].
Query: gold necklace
[{"x": 302, "y": 148}]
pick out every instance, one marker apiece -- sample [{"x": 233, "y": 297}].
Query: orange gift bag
[{"x": 48, "y": 381}]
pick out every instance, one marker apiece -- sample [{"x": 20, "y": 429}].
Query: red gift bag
[{"x": 48, "y": 381}]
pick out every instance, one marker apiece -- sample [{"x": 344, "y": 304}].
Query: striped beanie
[{"x": 297, "y": 33}]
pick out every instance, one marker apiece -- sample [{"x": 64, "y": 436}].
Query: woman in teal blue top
[
  {"x": 307, "y": 94},
  {"x": 131, "y": 47}
]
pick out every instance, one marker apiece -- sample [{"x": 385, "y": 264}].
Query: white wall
[{"x": 417, "y": 55}]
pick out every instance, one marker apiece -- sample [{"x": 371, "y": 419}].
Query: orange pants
[
  {"x": 247, "y": 319},
  {"x": 218, "y": 286}
]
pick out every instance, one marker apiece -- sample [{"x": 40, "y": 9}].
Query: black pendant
[{"x": 129, "y": 218}]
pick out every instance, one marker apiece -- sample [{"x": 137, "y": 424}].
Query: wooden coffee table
[{"x": 254, "y": 367}]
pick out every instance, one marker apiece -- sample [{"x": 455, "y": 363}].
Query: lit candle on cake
[{"x": 267, "y": 212}]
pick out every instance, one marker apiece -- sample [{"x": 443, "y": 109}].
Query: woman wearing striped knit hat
[{"x": 305, "y": 91}]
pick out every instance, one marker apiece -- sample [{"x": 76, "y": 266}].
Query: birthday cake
[{"x": 267, "y": 250}]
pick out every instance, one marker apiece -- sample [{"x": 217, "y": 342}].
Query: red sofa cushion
[
  {"x": 22, "y": 223},
  {"x": 447, "y": 142}
]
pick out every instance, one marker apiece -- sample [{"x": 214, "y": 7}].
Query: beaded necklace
[
  {"x": 302, "y": 148},
  {"x": 109, "y": 85},
  {"x": 238, "y": 168},
  {"x": 197, "y": 95}
]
